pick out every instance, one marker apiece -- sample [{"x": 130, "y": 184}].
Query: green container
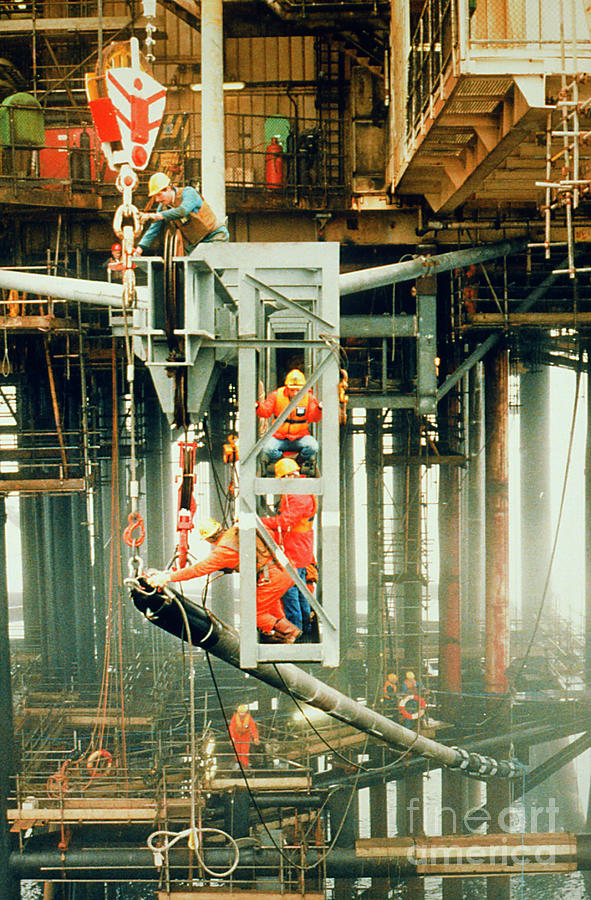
[{"x": 21, "y": 121}]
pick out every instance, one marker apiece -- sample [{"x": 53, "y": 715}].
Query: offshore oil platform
[{"x": 348, "y": 249}]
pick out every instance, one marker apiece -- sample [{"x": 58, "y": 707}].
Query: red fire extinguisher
[{"x": 274, "y": 165}]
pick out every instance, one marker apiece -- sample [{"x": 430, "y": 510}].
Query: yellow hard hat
[
  {"x": 157, "y": 183},
  {"x": 208, "y": 528},
  {"x": 410, "y": 674},
  {"x": 286, "y": 466},
  {"x": 294, "y": 379},
  {"x": 243, "y": 709},
  {"x": 393, "y": 676}
]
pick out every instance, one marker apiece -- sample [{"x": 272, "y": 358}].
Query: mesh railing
[
  {"x": 300, "y": 169},
  {"x": 432, "y": 47},
  {"x": 527, "y": 22}
]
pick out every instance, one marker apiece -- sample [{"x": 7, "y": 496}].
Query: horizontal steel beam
[{"x": 380, "y": 276}]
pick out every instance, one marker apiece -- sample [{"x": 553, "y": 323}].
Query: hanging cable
[{"x": 194, "y": 834}]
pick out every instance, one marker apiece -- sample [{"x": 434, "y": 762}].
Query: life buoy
[
  {"x": 412, "y": 706},
  {"x": 99, "y": 763}
]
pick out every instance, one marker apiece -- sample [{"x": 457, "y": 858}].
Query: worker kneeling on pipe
[{"x": 272, "y": 580}]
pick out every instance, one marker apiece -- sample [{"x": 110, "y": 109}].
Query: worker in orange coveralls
[
  {"x": 242, "y": 729},
  {"x": 294, "y": 435},
  {"x": 293, "y": 527},
  {"x": 272, "y": 580}
]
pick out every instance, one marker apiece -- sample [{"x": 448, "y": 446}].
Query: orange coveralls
[
  {"x": 272, "y": 580},
  {"x": 242, "y": 729}
]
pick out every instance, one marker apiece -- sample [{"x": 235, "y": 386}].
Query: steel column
[
  {"x": 497, "y": 521},
  {"x": 8, "y": 887},
  {"x": 497, "y": 570},
  {"x": 348, "y": 598},
  {"x": 536, "y": 539},
  {"x": 472, "y": 568},
  {"x": 213, "y": 168},
  {"x": 450, "y": 677},
  {"x": 588, "y": 531},
  {"x": 375, "y": 550}
]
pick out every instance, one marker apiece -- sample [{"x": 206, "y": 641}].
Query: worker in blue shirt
[{"x": 184, "y": 207}]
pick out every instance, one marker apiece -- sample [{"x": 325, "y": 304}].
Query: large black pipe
[
  {"x": 397, "y": 857},
  {"x": 137, "y": 864},
  {"x": 166, "y": 608}
]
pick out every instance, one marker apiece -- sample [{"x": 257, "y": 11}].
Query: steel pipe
[
  {"x": 380, "y": 276},
  {"x": 475, "y": 854},
  {"x": 163, "y": 608},
  {"x": 98, "y": 293}
]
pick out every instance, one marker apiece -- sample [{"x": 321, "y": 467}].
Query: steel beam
[
  {"x": 493, "y": 339},
  {"x": 380, "y": 276}
]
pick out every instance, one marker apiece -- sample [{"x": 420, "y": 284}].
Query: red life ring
[
  {"x": 99, "y": 763},
  {"x": 416, "y": 703}
]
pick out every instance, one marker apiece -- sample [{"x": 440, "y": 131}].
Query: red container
[
  {"x": 70, "y": 153},
  {"x": 274, "y": 165}
]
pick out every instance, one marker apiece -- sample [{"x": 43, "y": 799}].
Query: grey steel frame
[{"x": 240, "y": 302}]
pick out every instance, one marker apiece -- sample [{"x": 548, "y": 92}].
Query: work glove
[{"x": 158, "y": 579}]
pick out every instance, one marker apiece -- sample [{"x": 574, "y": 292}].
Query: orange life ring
[
  {"x": 417, "y": 707},
  {"x": 99, "y": 763}
]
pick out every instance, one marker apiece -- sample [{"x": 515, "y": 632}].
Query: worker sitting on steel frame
[
  {"x": 186, "y": 209},
  {"x": 272, "y": 580},
  {"x": 294, "y": 435}
]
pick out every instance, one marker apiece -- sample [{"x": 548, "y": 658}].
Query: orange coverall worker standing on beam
[
  {"x": 242, "y": 729},
  {"x": 272, "y": 580}
]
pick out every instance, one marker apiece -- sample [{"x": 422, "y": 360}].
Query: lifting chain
[{"x": 127, "y": 225}]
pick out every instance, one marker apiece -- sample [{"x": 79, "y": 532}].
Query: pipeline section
[{"x": 163, "y": 608}]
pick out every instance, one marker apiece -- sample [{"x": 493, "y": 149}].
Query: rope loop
[{"x": 135, "y": 522}]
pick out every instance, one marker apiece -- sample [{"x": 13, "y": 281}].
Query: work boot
[
  {"x": 286, "y": 631},
  {"x": 309, "y": 469}
]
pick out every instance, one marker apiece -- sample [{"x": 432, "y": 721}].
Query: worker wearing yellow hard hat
[
  {"x": 294, "y": 434},
  {"x": 294, "y": 527},
  {"x": 184, "y": 208},
  {"x": 272, "y": 579},
  {"x": 242, "y": 729}
]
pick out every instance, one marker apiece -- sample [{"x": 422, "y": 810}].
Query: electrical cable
[{"x": 194, "y": 832}]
